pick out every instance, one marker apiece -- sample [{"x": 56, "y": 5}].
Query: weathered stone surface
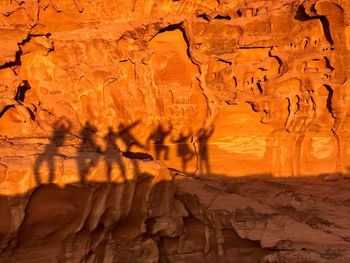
[
  {"x": 130, "y": 131},
  {"x": 269, "y": 78}
]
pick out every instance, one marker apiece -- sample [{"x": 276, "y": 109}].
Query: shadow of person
[
  {"x": 88, "y": 151},
  {"x": 183, "y": 150},
  {"x": 113, "y": 153},
  {"x": 158, "y": 137},
  {"x": 60, "y": 129},
  {"x": 203, "y": 136},
  {"x": 124, "y": 133}
]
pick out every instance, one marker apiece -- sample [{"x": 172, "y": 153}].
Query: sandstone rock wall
[
  {"x": 109, "y": 107},
  {"x": 269, "y": 78}
]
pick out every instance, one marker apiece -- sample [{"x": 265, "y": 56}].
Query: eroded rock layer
[{"x": 159, "y": 130}]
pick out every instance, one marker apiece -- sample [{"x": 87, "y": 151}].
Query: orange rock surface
[{"x": 174, "y": 131}]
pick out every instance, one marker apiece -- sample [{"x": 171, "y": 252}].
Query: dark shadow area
[
  {"x": 129, "y": 140},
  {"x": 203, "y": 136},
  {"x": 20, "y": 97},
  {"x": 21, "y": 91},
  {"x": 157, "y": 138},
  {"x": 60, "y": 129},
  {"x": 174, "y": 27},
  {"x": 113, "y": 153},
  {"x": 118, "y": 210},
  {"x": 5, "y": 109},
  {"x": 16, "y": 62},
  {"x": 184, "y": 150},
  {"x": 329, "y": 99},
  {"x": 88, "y": 150},
  {"x": 210, "y": 245},
  {"x": 138, "y": 155},
  {"x": 54, "y": 214},
  {"x": 328, "y": 64},
  {"x": 204, "y": 17},
  {"x": 220, "y": 17},
  {"x": 301, "y": 15},
  {"x": 186, "y": 146},
  {"x": 326, "y": 29}
]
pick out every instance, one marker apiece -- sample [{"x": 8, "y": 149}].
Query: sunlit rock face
[{"x": 174, "y": 131}]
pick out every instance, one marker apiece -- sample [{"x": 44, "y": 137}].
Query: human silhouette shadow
[
  {"x": 183, "y": 150},
  {"x": 88, "y": 151},
  {"x": 203, "y": 136},
  {"x": 158, "y": 137},
  {"x": 124, "y": 133},
  {"x": 60, "y": 129},
  {"x": 113, "y": 153}
]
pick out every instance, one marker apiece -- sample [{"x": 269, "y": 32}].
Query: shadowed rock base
[
  {"x": 161, "y": 131},
  {"x": 179, "y": 219}
]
